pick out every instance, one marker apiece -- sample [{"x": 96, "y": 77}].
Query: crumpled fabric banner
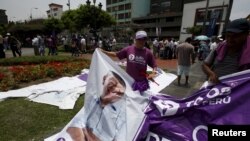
[{"x": 133, "y": 116}]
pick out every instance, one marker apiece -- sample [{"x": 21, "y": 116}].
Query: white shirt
[{"x": 83, "y": 41}]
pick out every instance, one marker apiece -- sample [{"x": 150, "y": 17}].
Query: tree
[
  {"x": 195, "y": 30},
  {"x": 53, "y": 26},
  {"x": 69, "y": 20},
  {"x": 92, "y": 17}
]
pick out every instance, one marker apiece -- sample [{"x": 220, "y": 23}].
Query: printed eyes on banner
[{"x": 167, "y": 107}]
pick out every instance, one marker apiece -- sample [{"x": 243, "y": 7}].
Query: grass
[{"x": 23, "y": 120}]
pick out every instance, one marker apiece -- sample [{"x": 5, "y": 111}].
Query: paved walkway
[{"x": 197, "y": 77}]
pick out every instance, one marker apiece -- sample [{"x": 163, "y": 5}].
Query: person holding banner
[
  {"x": 232, "y": 55},
  {"x": 105, "y": 115},
  {"x": 138, "y": 57}
]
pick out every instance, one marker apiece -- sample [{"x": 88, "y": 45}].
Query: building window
[
  {"x": 114, "y": 1},
  {"x": 121, "y": 7},
  {"x": 108, "y": 2},
  {"x": 121, "y": 16},
  {"x": 127, "y": 15},
  {"x": 127, "y": 6},
  {"x": 55, "y": 14},
  {"x": 55, "y": 9},
  {"x": 115, "y": 9}
]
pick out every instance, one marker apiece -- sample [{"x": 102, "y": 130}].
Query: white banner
[{"x": 113, "y": 111}]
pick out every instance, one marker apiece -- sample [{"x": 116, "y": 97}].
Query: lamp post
[
  {"x": 68, "y": 4},
  {"x": 31, "y": 12}
]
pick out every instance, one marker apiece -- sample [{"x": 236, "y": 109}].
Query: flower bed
[{"x": 11, "y": 77}]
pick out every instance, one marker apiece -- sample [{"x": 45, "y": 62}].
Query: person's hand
[
  {"x": 152, "y": 75},
  {"x": 89, "y": 135},
  {"x": 213, "y": 78},
  {"x": 76, "y": 134}
]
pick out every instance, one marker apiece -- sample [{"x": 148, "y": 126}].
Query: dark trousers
[{"x": 15, "y": 50}]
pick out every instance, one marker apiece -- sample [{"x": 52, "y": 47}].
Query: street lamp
[
  {"x": 31, "y": 12},
  {"x": 68, "y": 4}
]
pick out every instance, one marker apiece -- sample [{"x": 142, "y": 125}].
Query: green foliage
[
  {"x": 85, "y": 16},
  {"x": 196, "y": 30},
  {"x": 53, "y": 25},
  {"x": 69, "y": 20}
]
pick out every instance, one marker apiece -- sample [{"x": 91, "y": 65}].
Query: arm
[
  {"x": 109, "y": 53},
  {"x": 206, "y": 67}
]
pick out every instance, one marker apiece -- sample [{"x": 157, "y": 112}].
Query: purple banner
[{"x": 177, "y": 120}]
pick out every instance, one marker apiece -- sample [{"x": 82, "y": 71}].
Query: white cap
[
  {"x": 140, "y": 34},
  {"x": 8, "y": 34}
]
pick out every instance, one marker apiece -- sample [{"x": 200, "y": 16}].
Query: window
[
  {"x": 127, "y": 15},
  {"x": 108, "y": 2},
  {"x": 121, "y": 16},
  {"x": 115, "y": 9},
  {"x": 114, "y": 1},
  {"x": 55, "y": 9},
  {"x": 127, "y": 6},
  {"x": 55, "y": 14},
  {"x": 121, "y": 7}
]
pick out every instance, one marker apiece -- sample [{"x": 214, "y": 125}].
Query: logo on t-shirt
[{"x": 131, "y": 57}]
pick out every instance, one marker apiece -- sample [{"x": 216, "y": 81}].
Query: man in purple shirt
[{"x": 138, "y": 57}]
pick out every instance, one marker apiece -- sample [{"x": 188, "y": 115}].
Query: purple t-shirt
[{"x": 137, "y": 61}]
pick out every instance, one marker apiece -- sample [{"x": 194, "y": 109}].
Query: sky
[{"x": 17, "y": 10}]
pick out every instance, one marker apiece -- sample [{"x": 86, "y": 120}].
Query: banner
[
  {"x": 114, "y": 112},
  {"x": 224, "y": 104}
]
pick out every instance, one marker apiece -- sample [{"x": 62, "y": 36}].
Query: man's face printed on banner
[{"x": 113, "y": 88}]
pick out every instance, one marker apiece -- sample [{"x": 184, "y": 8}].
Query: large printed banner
[{"x": 113, "y": 112}]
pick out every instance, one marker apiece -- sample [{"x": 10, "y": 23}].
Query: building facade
[
  {"x": 211, "y": 16},
  {"x": 3, "y": 17},
  {"x": 124, "y": 10},
  {"x": 55, "y": 11}
]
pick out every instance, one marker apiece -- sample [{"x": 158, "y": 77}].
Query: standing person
[
  {"x": 156, "y": 48},
  {"x": 2, "y": 53},
  {"x": 14, "y": 45},
  {"x": 106, "y": 113},
  {"x": 83, "y": 45},
  {"x": 231, "y": 55},
  {"x": 41, "y": 45},
  {"x": 138, "y": 57},
  {"x": 184, "y": 53}
]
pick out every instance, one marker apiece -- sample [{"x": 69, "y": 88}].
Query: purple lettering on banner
[{"x": 168, "y": 118}]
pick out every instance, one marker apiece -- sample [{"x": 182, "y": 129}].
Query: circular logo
[
  {"x": 131, "y": 57},
  {"x": 167, "y": 107}
]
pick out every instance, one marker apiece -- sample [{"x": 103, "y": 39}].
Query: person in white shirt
[{"x": 83, "y": 45}]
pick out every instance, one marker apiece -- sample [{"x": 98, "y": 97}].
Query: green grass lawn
[{"x": 23, "y": 120}]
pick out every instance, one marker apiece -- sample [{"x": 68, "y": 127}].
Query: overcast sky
[{"x": 21, "y": 9}]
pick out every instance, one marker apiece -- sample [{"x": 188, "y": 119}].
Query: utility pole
[
  {"x": 230, "y": 5},
  {"x": 205, "y": 19}
]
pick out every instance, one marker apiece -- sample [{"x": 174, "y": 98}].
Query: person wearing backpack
[{"x": 14, "y": 45}]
